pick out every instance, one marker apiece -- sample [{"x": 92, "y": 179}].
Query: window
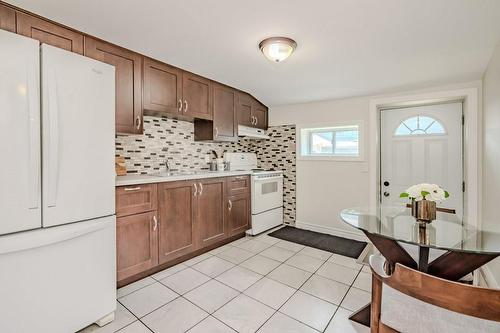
[
  {"x": 420, "y": 125},
  {"x": 330, "y": 142}
]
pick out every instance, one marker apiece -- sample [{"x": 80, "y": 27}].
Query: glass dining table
[{"x": 447, "y": 247}]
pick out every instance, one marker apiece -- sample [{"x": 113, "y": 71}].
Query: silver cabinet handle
[
  {"x": 240, "y": 177},
  {"x": 216, "y": 132},
  {"x": 155, "y": 223},
  {"x": 185, "y": 106},
  {"x": 138, "y": 122},
  {"x": 195, "y": 189},
  {"x": 179, "y": 102},
  {"x": 256, "y": 121},
  {"x": 230, "y": 204},
  {"x": 201, "y": 188},
  {"x": 253, "y": 120},
  {"x": 132, "y": 188}
]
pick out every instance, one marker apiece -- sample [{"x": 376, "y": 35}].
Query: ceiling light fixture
[{"x": 277, "y": 49}]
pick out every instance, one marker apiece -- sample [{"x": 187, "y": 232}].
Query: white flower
[{"x": 431, "y": 192}]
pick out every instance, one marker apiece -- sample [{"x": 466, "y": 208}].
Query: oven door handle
[{"x": 269, "y": 180}]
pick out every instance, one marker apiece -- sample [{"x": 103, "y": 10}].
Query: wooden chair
[{"x": 412, "y": 301}]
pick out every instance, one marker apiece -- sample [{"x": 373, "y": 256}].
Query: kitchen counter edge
[{"x": 133, "y": 179}]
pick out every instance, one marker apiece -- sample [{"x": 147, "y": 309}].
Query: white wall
[
  {"x": 491, "y": 151},
  {"x": 324, "y": 188}
]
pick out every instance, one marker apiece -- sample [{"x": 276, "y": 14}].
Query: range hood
[{"x": 252, "y": 132}]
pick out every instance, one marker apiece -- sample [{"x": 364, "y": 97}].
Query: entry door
[{"x": 422, "y": 145}]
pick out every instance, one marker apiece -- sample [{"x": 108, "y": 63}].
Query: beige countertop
[{"x": 132, "y": 179}]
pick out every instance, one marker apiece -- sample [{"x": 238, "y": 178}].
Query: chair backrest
[{"x": 412, "y": 301}]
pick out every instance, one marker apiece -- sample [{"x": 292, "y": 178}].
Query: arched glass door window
[{"x": 420, "y": 125}]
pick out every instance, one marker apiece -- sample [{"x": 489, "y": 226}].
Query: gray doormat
[{"x": 339, "y": 245}]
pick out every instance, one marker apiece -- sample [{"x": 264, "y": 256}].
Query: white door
[
  {"x": 19, "y": 133},
  {"x": 78, "y": 117},
  {"x": 422, "y": 145}
]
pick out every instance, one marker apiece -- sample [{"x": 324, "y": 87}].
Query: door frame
[{"x": 472, "y": 168}]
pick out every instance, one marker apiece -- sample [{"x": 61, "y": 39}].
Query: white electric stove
[{"x": 266, "y": 192}]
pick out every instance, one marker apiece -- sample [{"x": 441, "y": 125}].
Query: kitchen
[{"x": 149, "y": 187}]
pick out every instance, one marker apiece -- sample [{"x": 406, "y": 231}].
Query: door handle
[
  {"x": 132, "y": 188},
  {"x": 185, "y": 106},
  {"x": 201, "y": 189},
  {"x": 229, "y": 205},
  {"x": 386, "y": 194},
  {"x": 179, "y": 102},
  {"x": 155, "y": 223},
  {"x": 34, "y": 135},
  {"x": 195, "y": 189},
  {"x": 53, "y": 150},
  {"x": 138, "y": 122}
]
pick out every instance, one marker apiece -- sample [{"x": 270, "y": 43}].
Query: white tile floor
[{"x": 259, "y": 284}]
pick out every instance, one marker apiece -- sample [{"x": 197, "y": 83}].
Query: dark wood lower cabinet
[
  {"x": 238, "y": 213},
  {"x": 136, "y": 244},
  {"x": 190, "y": 217},
  {"x": 210, "y": 211},
  {"x": 177, "y": 235}
]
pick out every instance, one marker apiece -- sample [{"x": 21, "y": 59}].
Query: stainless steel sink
[{"x": 175, "y": 173}]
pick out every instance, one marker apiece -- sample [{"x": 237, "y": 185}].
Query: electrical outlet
[{"x": 207, "y": 158}]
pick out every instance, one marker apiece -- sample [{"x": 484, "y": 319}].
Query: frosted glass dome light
[{"x": 277, "y": 49}]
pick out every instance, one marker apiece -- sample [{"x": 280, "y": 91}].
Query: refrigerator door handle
[
  {"x": 34, "y": 133},
  {"x": 53, "y": 148}
]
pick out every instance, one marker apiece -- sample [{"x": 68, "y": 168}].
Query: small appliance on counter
[{"x": 266, "y": 192}]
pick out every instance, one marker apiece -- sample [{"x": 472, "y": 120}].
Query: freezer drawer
[{"x": 58, "y": 279}]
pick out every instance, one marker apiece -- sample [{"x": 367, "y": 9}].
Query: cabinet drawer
[
  {"x": 135, "y": 199},
  {"x": 238, "y": 184}
]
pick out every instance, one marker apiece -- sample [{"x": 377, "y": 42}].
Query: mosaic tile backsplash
[{"x": 171, "y": 140}]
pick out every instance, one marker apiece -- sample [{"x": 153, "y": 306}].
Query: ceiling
[{"x": 345, "y": 47}]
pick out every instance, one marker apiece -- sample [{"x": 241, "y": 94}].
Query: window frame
[{"x": 319, "y": 127}]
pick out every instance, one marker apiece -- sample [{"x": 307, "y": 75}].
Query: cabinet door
[
  {"x": 259, "y": 112},
  {"x": 135, "y": 199},
  {"x": 176, "y": 206},
  {"x": 49, "y": 33},
  {"x": 244, "y": 109},
  {"x": 210, "y": 209},
  {"x": 197, "y": 96},
  {"x": 128, "y": 89},
  {"x": 7, "y": 18},
  {"x": 162, "y": 87},
  {"x": 136, "y": 244},
  {"x": 238, "y": 213},
  {"x": 224, "y": 109}
]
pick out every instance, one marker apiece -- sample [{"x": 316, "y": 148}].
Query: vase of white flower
[{"x": 423, "y": 200}]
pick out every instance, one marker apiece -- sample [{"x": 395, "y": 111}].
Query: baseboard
[
  {"x": 489, "y": 277},
  {"x": 332, "y": 231}
]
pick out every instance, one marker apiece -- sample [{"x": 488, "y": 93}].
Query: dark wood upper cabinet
[
  {"x": 136, "y": 244},
  {"x": 251, "y": 112},
  {"x": 49, "y": 33},
  {"x": 162, "y": 87},
  {"x": 244, "y": 109},
  {"x": 197, "y": 96},
  {"x": 7, "y": 18},
  {"x": 128, "y": 88},
  {"x": 238, "y": 213},
  {"x": 210, "y": 211},
  {"x": 259, "y": 112},
  {"x": 224, "y": 110},
  {"x": 176, "y": 209},
  {"x": 224, "y": 126}
]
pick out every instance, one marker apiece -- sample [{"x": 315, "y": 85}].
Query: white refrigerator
[{"x": 57, "y": 203}]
